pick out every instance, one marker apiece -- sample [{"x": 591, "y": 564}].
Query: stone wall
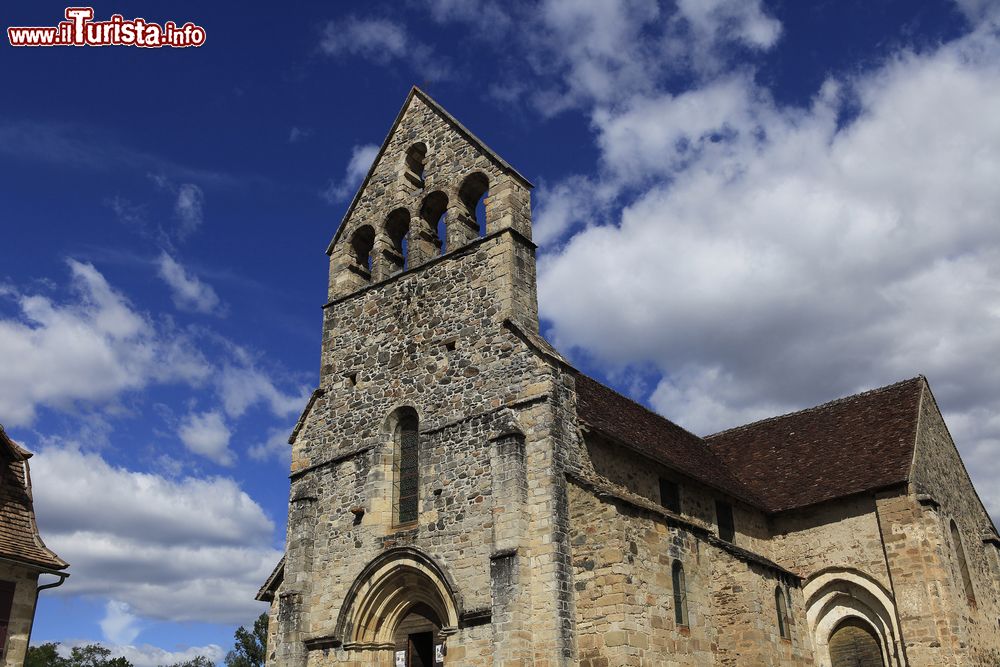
[
  {"x": 842, "y": 533},
  {"x": 622, "y": 577},
  {"x": 545, "y": 545},
  {"x": 746, "y": 616},
  {"x": 437, "y": 339},
  {"x": 450, "y": 157},
  {"x": 22, "y": 611},
  {"x": 942, "y": 624},
  {"x": 640, "y": 475}
]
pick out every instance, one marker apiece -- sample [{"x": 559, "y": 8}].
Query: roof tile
[{"x": 852, "y": 445}]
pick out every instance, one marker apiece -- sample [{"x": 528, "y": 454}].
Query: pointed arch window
[
  {"x": 406, "y": 469},
  {"x": 781, "y": 609},
  {"x": 963, "y": 565},
  {"x": 680, "y": 594}
]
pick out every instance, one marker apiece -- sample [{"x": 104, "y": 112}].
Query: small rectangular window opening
[
  {"x": 451, "y": 345},
  {"x": 352, "y": 379},
  {"x": 670, "y": 495},
  {"x": 724, "y": 516}
]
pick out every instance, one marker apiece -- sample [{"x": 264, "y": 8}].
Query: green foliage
[
  {"x": 251, "y": 646},
  {"x": 43, "y": 656},
  {"x": 91, "y": 655},
  {"x": 197, "y": 661}
]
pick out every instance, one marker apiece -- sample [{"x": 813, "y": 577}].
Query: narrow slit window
[
  {"x": 963, "y": 565},
  {"x": 781, "y": 609},
  {"x": 724, "y": 517},
  {"x": 406, "y": 473},
  {"x": 680, "y": 594}
]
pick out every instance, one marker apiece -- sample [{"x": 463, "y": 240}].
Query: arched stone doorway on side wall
[
  {"x": 847, "y": 598},
  {"x": 854, "y": 643},
  {"x": 399, "y": 612}
]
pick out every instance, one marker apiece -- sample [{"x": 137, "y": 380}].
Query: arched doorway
[
  {"x": 854, "y": 644},
  {"x": 416, "y": 636},
  {"x": 845, "y": 598},
  {"x": 399, "y": 611}
]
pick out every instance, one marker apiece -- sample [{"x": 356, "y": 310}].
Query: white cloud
[
  {"x": 242, "y": 387},
  {"x": 378, "y": 39},
  {"x": 297, "y": 134},
  {"x": 362, "y": 157},
  {"x": 276, "y": 446},
  {"x": 382, "y": 41},
  {"x": 654, "y": 137},
  {"x": 145, "y": 655},
  {"x": 119, "y": 624},
  {"x": 188, "y": 207},
  {"x": 207, "y": 434},
  {"x": 775, "y": 257},
  {"x": 187, "y": 291},
  {"x": 486, "y": 15},
  {"x": 88, "y": 349},
  {"x": 980, "y": 11},
  {"x": 716, "y": 21},
  {"x": 190, "y": 549},
  {"x": 587, "y": 52}
]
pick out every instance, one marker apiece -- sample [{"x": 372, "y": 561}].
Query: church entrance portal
[
  {"x": 854, "y": 644},
  {"x": 414, "y": 638}
]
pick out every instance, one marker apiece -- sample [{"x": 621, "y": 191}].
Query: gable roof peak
[{"x": 417, "y": 92}]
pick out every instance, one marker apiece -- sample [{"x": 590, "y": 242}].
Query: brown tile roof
[
  {"x": 624, "y": 420},
  {"x": 19, "y": 539},
  {"x": 852, "y": 445}
]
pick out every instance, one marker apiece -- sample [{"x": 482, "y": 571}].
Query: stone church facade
[{"x": 462, "y": 495}]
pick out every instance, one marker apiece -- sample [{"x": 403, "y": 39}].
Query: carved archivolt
[
  {"x": 386, "y": 591},
  {"x": 835, "y": 595}
]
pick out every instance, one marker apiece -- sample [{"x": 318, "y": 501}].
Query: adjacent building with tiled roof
[
  {"x": 461, "y": 494},
  {"x": 23, "y": 554}
]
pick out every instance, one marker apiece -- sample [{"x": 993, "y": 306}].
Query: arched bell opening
[
  {"x": 397, "y": 229},
  {"x": 432, "y": 215},
  {"x": 473, "y": 194},
  {"x": 413, "y": 167},
  {"x": 362, "y": 244}
]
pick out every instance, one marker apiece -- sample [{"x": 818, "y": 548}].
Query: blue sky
[{"x": 775, "y": 203}]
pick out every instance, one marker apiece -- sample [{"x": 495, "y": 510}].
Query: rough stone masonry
[{"x": 462, "y": 495}]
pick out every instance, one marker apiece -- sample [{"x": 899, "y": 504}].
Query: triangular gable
[
  {"x": 935, "y": 455},
  {"x": 450, "y": 120}
]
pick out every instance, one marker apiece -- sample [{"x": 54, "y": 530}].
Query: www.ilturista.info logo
[{"x": 79, "y": 29}]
